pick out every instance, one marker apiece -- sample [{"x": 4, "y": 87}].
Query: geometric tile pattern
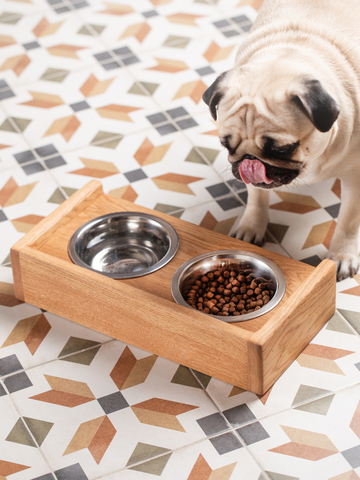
[{"x": 112, "y": 91}]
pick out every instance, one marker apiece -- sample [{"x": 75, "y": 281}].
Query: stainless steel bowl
[
  {"x": 196, "y": 267},
  {"x": 124, "y": 245}
]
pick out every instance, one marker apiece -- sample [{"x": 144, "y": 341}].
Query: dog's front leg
[
  {"x": 252, "y": 226},
  {"x": 344, "y": 244}
]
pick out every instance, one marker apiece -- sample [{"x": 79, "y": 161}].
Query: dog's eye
[{"x": 279, "y": 150}]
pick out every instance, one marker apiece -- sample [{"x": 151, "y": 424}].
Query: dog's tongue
[{"x": 253, "y": 171}]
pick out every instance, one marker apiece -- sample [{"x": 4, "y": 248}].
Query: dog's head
[{"x": 274, "y": 125}]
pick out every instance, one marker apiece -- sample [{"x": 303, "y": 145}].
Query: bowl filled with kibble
[{"x": 230, "y": 285}]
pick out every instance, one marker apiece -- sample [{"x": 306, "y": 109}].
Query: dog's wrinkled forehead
[{"x": 302, "y": 96}]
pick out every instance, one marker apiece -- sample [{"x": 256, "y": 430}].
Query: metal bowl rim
[
  {"x": 173, "y": 243},
  {"x": 278, "y": 273}
]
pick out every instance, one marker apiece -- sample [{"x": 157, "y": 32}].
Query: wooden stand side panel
[
  {"x": 43, "y": 230},
  {"x": 139, "y": 318},
  {"x": 278, "y": 343}
]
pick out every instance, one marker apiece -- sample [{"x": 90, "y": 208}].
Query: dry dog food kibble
[{"x": 230, "y": 290}]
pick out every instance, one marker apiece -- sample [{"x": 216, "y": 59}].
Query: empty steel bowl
[
  {"x": 196, "y": 267},
  {"x": 124, "y": 245}
]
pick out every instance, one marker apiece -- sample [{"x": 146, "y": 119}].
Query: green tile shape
[
  {"x": 20, "y": 434},
  {"x": 143, "y": 88},
  {"x": 204, "y": 379},
  {"x": 7, "y": 126},
  {"x": 154, "y": 467},
  {"x": 278, "y": 231},
  {"x": 39, "y": 428},
  {"x": 83, "y": 358},
  {"x": 75, "y": 344},
  {"x": 280, "y": 476},
  {"x": 7, "y": 260},
  {"x": 338, "y": 324},
  {"x": 144, "y": 452},
  {"x": 54, "y": 75},
  {"x": 307, "y": 393},
  {"x": 57, "y": 197},
  {"x": 91, "y": 29},
  {"x": 197, "y": 155},
  {"x": 176, "y": 42},
  {"x": 320, "y": 407},
  {"x": 352, "y": 317},
  {"x": 183, "y": 376},
  {"x": 164, "y": 208},
  {"x": 107, "y": 139}
]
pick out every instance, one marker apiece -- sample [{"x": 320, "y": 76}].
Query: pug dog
[{"x": 289, "y": 112}]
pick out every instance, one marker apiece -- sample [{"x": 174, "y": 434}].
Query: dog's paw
[
  {"x": 347, "y": 265},
  {"x": 250, "y": 233}
]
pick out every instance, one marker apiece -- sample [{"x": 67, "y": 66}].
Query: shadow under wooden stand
[{"x": 141, "y": 311}]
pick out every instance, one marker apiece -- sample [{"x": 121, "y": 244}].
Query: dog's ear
[
  {"x": 321, "y": 108},
  {"x": 214, "y": 94}
]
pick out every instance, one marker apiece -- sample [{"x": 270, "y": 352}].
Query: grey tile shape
[
  {"x": 73, "y": 472},
  {"x": 150, "y": 13},
  {"x": 186, "y": 123},
  {"x": 82, "y": 4},
  {"x": 243, "y": 196},
  {"x": 177, "y": 112},
  {"x": 46, "y": 150},
  {"x": 246, "y": 28},
  {"x": 121, "y": 51},
  {"x": 62, "y": 9},
  {"x": 113, "y": 402},
  {"x": 357, "y": 365},
  {"x": 230, "y": 33},
  {"x": 24, "y": 157},
  {"x": 333, "y": 210},
  {"x": 166, "y": 129},
  {"x": 130, "y": 60},
  {"x": 239, "y": 415},
  {"x": 222, "y": 23},
  {"x": 135, "y": 175},
  {"x": 4, "y": 94},
  {"x": 240, "y": 19},
  {"x": 9, "y": 365},
  {"x": 54, "y": 2},
  {"x": 31, "y": 168},
  {"x": 280, "y": 476},
  {"x": 218, "y": 190},
  {"x": 352, "y": 317},
  {"x": 314, "y": 260},
  {"x": 237, "y": 185},
  {"x": 213, "y": 424},
  {"x": 156, "y": 118},
  {"x": 18, "y": 381},
  {"x": 102, "y": 56},
  {"x": 111, "y": 65},
  {"x": 252, "y": 433},
  {"x": 227, "y": 203},
  {"x": 79, "y": 106},
  {"x": 205, "y": 71},
  {"x": 3, "y": 217},
  {"x": 225, "y": 443},
  {"x": 2, "y": 391},
  {"x": 54, "y": 162},
  {"x": 352, "y": 455},
  {"x": 338, "y": 324},
  {"x": 31, "y": 45}
]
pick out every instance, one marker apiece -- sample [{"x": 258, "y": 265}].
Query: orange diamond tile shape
[
  {"x": 161, "y": 413},
  {"x": 9, "y": 468},
  {"x": 43, "y": 100},
  {"x": 44, "y": 27},
  {"x": 355, "y": 422},
  {"x": 65, "y": 392},
  {"x": 194, "y": 90},
  {"x": 202, "y": 471},
  {"x": 169, "y": 66},
  {"x": 117, "y": 112},
  {"x": 96, "y": 168},
  {"x": 11, "y": 193},
  {"x": 6, "y": 40},
  {"x": 336, "y": 188},
  {"x": 139, "y": 31},
  {"x": 116, "y": 9},
  {"x": 254, "y": 3},
  {"x": 320, "y": 234},
  {"x": 306, "y": 444},
  {"x": 17, "y": 64},
  {"x": 63, "y": 50},
  {"x": 295, "y": 203},
  {"x": 96, "y": 435},
  {"x": 128, "y": 371},
  {"x": 148, "y": 153},
  {"x": 184, "y": 19},
  {"x": 176, "y": 182},
  {"x": 213, "y": 132},
  {"x": 66, "y": 126},
  {"x": 224, "y": 226},
  {"x": 93, "y": 86},
  {"x": 214, "y": 53},
  {"x": 7, "y": 295},
  {"x": 127, "y": 193},
  {"x": 320, "y": 357},
  {"x": 354, "y": 290},
  {"x": 32, "y": 331},
  {"x": 25, "y": 224},
  {"x": 351, "y": 475}
]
